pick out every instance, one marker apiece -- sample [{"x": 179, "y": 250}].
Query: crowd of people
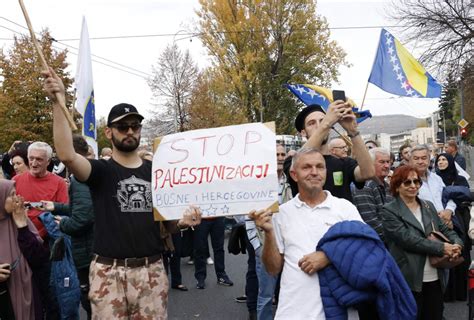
[{"x": 350, "y": 240}]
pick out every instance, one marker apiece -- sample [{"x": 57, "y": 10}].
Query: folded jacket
[{"x": 361, "y": 270}]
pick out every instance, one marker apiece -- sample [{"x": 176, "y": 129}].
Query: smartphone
[
  {"x": 30, "y": 205},
  {"x": 338, "y": 95}
]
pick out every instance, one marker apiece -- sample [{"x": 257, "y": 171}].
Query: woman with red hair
[{"x": 407, "y": 222}]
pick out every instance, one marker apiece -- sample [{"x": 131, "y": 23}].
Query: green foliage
[
  {"x": 258, "y": 45},
  {"x": 102, "y": 140},
  {"x": 449, "y": 105},
  {"x": 468, "y": 91},
  {"x": 26, "y": 113},
  {"x": 450, "y": 102}
]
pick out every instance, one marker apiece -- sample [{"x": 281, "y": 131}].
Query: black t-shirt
[
  {"x": 124, "y": 224},
  {"x": 339, "y": 176}
]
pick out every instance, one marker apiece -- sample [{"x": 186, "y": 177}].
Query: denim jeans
[
  {"x": 215, "y": 228},
  {"x": 266, "y": 288}
]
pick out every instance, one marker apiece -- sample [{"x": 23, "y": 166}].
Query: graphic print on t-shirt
[{"x": 134, "y": 195}]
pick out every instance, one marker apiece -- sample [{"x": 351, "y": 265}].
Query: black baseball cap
[
  {"x": 120, "y": 111},
  {"x": 300, "y": 118}
]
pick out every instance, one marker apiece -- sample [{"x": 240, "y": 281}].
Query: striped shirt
[{"x": 369, "y": 201}]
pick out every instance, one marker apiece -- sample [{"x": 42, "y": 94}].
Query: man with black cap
[
  {"x": 314, "y": 124},
  {"x": 127, "y": 278}
]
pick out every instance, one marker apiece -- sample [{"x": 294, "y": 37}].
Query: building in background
[{"x": 290, "y": 142}]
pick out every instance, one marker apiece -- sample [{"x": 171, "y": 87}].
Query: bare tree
[
  {"x": 445, "y": 28},
  {"x": 173, "y": 80}
]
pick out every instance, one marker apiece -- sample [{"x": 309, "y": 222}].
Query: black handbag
[{"x": 237, "y": 239}]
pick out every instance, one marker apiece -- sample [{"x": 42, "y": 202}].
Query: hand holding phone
[
  {"x": 36, "y": 205},
  {"x": 338, "y": 95}
]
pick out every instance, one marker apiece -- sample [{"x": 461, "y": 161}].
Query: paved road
[{"x": 217, "y": 302}]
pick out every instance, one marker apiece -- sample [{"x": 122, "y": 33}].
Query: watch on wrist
[{"x": 355, "y": 134}]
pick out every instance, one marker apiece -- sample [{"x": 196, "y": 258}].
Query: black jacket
[
  {"x": 407, "y": 240},
  {"x": 80, "y": 222}
]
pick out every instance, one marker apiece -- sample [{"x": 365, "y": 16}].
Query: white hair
[
  {"x": 39, "y": 145},
  {"x": 420, "y": 147},
  {"x": 373, "y": 152}
]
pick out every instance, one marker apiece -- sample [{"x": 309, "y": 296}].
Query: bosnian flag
[
  {"x": 396, "y": 71},
  {"x": 85, "y": 104}
]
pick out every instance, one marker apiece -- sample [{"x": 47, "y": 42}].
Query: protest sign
[{"x": 223, "y": 171}]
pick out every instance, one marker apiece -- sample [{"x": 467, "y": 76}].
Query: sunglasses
[
  {"x": 416, "y": 182},
  {"x": 124, "y": 127}
]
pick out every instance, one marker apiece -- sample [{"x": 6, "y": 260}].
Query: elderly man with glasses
[
  {"x": 338, "y": 148},
  {"x": 375, "y": 194},
  {"x": 432, "y": 187}
]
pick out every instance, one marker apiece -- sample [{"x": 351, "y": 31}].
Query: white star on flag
[
  {"x": 410, "y": 92},
  {"x": 312, "y": 93},
  {"x": 390, "y": 50},
  {"x": 301, "y": 90},
  {"x": 396, "y": 68},
  {"x": 393, "y": 59},
  {"x": 389, "y": 41},
  {"x": 400, "y": 77},
  {"x": 405, "y": 85}
]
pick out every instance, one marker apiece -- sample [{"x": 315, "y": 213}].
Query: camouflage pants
[{"x": 126, "y": 293}]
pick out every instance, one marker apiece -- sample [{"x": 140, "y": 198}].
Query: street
[{"x": 217, "y": 302}]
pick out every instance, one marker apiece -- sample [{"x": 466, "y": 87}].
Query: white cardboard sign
[{"x": 223, "y": 171}]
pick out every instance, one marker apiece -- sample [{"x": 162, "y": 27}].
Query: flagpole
[
  {"x": 59, "y": 98},
  {"x": 74, "y": 98},
  {"x": 343, "y": 137},
  {"x": 363, "y": 99}
]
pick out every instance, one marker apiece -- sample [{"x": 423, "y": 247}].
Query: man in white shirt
[
  {"x": 292, "y": 234},
  {"x": 432, "y": 187}
]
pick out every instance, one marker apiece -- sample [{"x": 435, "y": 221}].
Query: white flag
[{"x": 85, "y": 104}]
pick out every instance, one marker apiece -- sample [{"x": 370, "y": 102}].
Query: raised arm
[
  {"x": 335, "y": 112},
  {"x": 365, "y": 170},
  {"x": 77, "y": 164}
]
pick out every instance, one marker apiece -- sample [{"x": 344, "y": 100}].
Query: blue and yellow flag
[
  {"x": 310, "y": 94},
  {"x": 396, "y": 71},
  {"x": 85, "y": 103}
]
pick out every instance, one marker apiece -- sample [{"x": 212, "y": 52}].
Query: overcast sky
[{"x": 106, "y": 18}]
